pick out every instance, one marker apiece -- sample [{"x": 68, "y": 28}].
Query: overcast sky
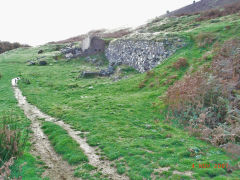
[{"x": 36, "y": 22}]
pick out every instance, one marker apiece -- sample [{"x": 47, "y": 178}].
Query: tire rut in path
[{"x": 33, "y": 113}]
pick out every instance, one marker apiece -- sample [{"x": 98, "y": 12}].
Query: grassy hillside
[{"x": 125, "y": 119}]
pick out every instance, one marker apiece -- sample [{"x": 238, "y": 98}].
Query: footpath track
[{"x": 58, "y": 168}]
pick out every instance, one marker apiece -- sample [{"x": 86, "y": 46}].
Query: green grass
[
  {"x": 27, "y": 167},
  {"x": 124, "y": 121},
  {"x": 64, "y": 144},
  {"x": 8, "y": 107}
]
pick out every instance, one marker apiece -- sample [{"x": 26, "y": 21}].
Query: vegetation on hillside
[
  {"x": 137, "y": 122},
  {"x": 215, "y": 13},
  {"x": 207, "y": 101},
  {"x": 7, "y": 46},
  {"x": 202, "y": 6}
]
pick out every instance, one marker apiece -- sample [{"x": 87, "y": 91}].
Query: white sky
[{"x": 35, "y": 22}]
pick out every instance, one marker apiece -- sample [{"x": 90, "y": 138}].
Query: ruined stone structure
[
  {"x": 89, "y": 46},
  {"x": 95, "y": 45},
  {"x": 142, "y": 55}
]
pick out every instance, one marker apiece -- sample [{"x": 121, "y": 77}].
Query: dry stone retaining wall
[{"x": 142, "y": 55}]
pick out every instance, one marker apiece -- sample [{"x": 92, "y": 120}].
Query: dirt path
[
  {"x": 43, "y": 147},
  {"x": 57, "y": 168}
]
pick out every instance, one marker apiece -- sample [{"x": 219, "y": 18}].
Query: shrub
[
  {"x": 0, "y": 76},
  {"x": 12, "y": 141},
  {"x": 181, "y": 63},
  {"x": 12, "y": 144},
  {"x": 211, "y": 14},
  {"x": 207, "y": 101},
  {"x": 184, "y": 91},
  {"x": 205, "y": 39}
]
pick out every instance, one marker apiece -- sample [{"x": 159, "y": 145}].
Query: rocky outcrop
[{"x": 142, "y": 55}]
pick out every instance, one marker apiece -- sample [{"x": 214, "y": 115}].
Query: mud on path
[{"x": 60, "y": 169}]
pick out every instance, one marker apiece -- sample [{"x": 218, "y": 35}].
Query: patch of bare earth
[{"x": 43, "y": 147}]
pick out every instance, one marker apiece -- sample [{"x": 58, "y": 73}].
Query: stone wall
[{"x": 142, "y": 55}]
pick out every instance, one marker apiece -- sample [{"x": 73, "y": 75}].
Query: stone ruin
[{"x": 89, "y": 46}]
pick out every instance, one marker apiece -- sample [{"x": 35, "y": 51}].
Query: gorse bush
[{"x": 208, "y": 101}]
